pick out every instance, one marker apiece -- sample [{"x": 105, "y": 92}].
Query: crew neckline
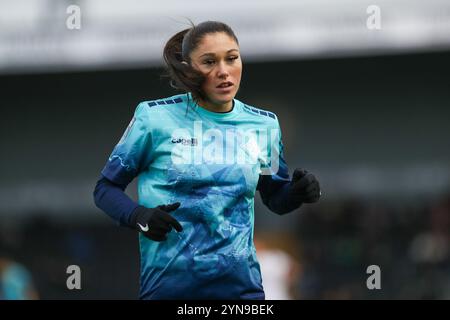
[{"x": 216, "y": 115}]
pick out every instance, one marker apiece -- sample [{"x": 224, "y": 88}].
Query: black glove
[
  {"x": 304, "y": 187},
  {"x": 155, "y": 223}
]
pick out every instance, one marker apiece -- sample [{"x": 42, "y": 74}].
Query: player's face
[{"x": 218, "y": 57}]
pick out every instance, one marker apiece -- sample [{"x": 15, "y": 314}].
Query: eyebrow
[{"x": 212, "y": 54}]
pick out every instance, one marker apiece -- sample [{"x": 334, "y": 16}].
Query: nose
[{"x": 222, "y": 71}]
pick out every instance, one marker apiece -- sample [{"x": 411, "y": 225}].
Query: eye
[
  {"x": 209, "y": 62},
  {"x": 233, "y": 58}
]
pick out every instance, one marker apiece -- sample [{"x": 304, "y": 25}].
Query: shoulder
[
  {"x": 165, "y": 102},
  {"x": 161, "y": 104},
  {"x": 260, "y": 113}
]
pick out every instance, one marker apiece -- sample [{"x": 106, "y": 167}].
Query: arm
[
  {"x": 275, "y": 195},
  {"x": 131, "y": 155},
  {"x": 111, "y": 199},
  {"x": 280, "y": 193},
  {"x": 284, "y": 197}
]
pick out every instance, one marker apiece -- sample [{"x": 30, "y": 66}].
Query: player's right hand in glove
[{"x": 155, "y": 223}]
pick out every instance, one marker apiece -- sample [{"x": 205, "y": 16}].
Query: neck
[{"x": 214, "y": 107}]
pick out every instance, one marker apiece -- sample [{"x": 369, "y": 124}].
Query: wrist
[{"x": 135, "y": 214}]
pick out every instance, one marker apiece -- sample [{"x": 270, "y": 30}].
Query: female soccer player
[{"x": 200, "y": 157}]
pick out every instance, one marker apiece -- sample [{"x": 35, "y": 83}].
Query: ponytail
[{"x": 182, "y": 76}]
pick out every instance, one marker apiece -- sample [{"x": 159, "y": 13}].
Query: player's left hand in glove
[{"x": 304, "y": 187}]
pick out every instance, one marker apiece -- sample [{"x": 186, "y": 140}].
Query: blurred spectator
[
  {"x": 15, "y": 282},
  {"x": 432, "y": 245},
  {"x": 279, "y": 270}
]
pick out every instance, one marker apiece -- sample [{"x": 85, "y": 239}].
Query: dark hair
[{"x": 177, "y": 56}]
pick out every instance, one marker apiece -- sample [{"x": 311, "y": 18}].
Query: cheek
[
  {"x": 237, "y": 79},
  {"x": 209, "y": 83},
  {"x": 237, "y": 72},
  {"x": 238, "y": 75}
]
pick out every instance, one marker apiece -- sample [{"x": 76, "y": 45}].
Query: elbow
[{"x": 98, "y": 193}]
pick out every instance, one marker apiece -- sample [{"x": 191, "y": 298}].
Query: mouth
[{"x": 225, "y": 85}]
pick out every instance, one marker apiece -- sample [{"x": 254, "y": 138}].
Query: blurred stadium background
[{"x": 366, "y": 110}]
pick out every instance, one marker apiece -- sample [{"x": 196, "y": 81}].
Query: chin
[{"x": 223, "y": 99}]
